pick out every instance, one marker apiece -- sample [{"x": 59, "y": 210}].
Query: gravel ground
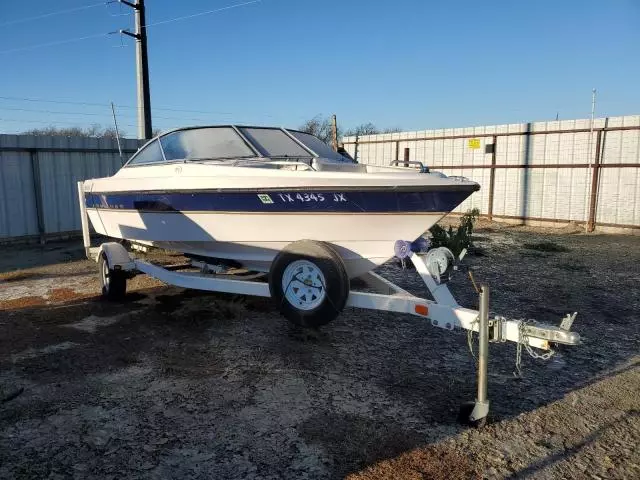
[{"x": 182, "y": 384}]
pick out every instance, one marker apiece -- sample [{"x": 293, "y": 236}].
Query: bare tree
[
  {"x": 93, "y": 131},
  {"x": 369, "y": 129},
  {"x": 111, "y": 132},
  {"x": 363, "y": 129},
  {"x": 320, "y": 127}
]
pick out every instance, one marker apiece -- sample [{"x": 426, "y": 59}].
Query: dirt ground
[{"x": 183, "y": 384}]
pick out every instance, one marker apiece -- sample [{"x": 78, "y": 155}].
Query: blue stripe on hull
[{"x": 283, "y": 201}]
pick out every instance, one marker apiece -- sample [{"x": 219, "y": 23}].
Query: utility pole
[
  {"x": 334, "y": 132},
  {"x": 142, "y": 69}
]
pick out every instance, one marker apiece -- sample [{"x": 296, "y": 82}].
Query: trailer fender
[{"x": 117, "y": 256}]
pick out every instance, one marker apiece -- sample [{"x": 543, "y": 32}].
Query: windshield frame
[{"x": 238, "y": 130}]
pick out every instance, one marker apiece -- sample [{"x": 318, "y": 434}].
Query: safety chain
[
  {"x": 470, "y": 339},
  {"x": 470, "y": 333},
  {"x": 523, "y": 340}
]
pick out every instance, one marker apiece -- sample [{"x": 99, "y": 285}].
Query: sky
[{"x": 410, "y": 64}]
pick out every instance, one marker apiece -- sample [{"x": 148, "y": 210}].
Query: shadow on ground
[{"x": 176, "y": 383}]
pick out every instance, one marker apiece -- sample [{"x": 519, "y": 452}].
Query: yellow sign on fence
[{"x": 474, "y": 143}]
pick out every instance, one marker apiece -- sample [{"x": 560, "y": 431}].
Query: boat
[
  {"x": 281, "y": 201},
  {"x": 243, "y": 193}
]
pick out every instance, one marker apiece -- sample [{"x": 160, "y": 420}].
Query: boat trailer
[{"x": 434, "y": 268}]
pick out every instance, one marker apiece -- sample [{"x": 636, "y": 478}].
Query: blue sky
[{"x": 409, "y": 64}]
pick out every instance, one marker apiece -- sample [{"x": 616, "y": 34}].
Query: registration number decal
[
  {"x": 311, "y": 197},
  {"x": 264, "y": 198}
]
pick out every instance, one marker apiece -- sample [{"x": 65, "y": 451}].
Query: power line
[
  {"x": 208, "y": 12},
  {"x": 55, "y": 112},
  {"x": 98, "y": 35},
  {"x": 58, "y": 42},
  {"x": 42, "y": 100},
  {"x": 51, "y": 14},
  {"x": 80, "y": 124},
  {"x": 72, "y": 124},
  {"x": 96, "y": 104},
  {"x": 93, "y": 114},
  {"x": 52, "y": 123}
]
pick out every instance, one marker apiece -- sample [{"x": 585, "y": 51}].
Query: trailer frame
[{"x": 442, "y": 312}]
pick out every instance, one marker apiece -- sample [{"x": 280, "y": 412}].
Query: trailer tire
[
  {"x": 318, "y": 298},
  {"x": 113, "y": 282}
]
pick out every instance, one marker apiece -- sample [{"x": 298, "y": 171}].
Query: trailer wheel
[
  {"x": 309, "y": 283},
  {"x": 113, "y": 282}
]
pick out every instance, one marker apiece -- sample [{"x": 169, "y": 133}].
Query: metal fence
[
  {"x": 560, "y": 171},
  {"x": 38, "y": 175}
]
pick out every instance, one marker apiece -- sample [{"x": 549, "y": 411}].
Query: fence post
[
  {"x": 595, "y": 176},
  {"x": 334, "y": 133},
  {"x": 492, "y": 177},
  {"x": 37, "y": 192},
  {"x": 406, "y": 157},
  {"x": 355, "y": 149}
]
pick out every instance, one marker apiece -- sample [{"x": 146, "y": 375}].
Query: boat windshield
[
  {"x": 320, "y": 148},
  {"x": 198, "y": 143},
  {"x": 230, "y": 142},
  {"x": 272, "y": 142}
]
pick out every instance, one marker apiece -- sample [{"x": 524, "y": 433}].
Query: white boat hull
[
  {"x": 363, "y": 240},
  {"x": 250, "y": 214}
]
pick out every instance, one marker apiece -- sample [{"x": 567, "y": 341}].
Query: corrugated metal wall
[
  {"x": 619, "y": 188},
  {"x": 541, "y": 171},
  {"x": 17, "y": 200},
  {"x": 40, "y": 172}
]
